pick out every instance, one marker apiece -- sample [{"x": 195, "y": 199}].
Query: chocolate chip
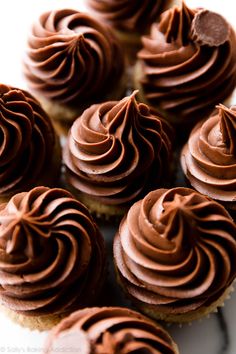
[{"x": 209, "y": 28}]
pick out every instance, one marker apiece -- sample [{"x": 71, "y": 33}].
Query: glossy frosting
[
  {"x": 175, "y": 251},
  {"x": 110, "y": 330},
  {"x": 127, "y": 15},
  {"x": 209, "y": 157},
  {"x": 117, "y": 151},
  {"x": 49, "y": 248},
  {"x": 72, "y": 57},
  {"x": 184, "y": 71},
  {"x": 27, "y": 140}
]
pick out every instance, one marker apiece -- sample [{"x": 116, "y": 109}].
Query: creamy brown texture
[
  {"x": 175, "y": 251},
  {"x": 72, "y": 58},
  {"x": 209, "y": 157},
  {"x": 27, "y": 141},
  {"x": 181, "y": 75},
  {"x": 51, "y": 253},
  {"x": 110, "y": 330},
  {"x": 117, "y": 151},
  {"x": 128, "y": 15}
]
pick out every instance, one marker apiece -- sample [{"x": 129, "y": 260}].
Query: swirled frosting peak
[
  {"x": 188, "y": 63},
  {"x": 110, "y": 330},
  {"x": 127, "y": 15},
  {"x": 49, "y": 248},
  {"x": 209, "y": 157},
  {"x": 116, "y": 151},
  {"x": 176, "y": 24},
  {"x": 175, "y": 252},
  {"x": 72, "y": 57},
  {"x": 27, "y": 141},
  {"x": 228, "y": 128}
]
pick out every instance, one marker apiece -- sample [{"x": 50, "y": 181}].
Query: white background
[{"x": 16, "y": 17}]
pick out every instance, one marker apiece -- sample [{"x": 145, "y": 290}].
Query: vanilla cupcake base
[
  {"x": 39, "y": 323},
  {"x": 131, "y": 42},
  {"x": 152, "y": 312},
  {"x": 98, "y": 209}
]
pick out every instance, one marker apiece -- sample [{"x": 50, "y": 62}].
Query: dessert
[
  {"x": 30, "y": 152},
  {"x": 187, "y": 64},
  {"x": 72, "y": 61},
  {"x": 115, "y": 153},
  {"x": 175, "y": 254},
  {"x": 209, "y": 158},
  {"x": 109, "y": 330},
  {"x": 50, "y": 248},
  {"x": 130, "y": 19},
  {"x": 127, "y": 16}
]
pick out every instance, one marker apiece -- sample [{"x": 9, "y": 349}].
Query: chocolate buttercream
[
  {"x": 109, "y": 330},
  {"x": 187, "y": 67},
  {"x": 175, "y": 251},
  {"x": 27, "y": 141},
  {"x": 117, "y": 151},
  {"x": 49, "y": 250},
  {"x": 209, "y": 157},
  {"x": 72, "y": 58},
  {"x": 126, "y": 15}
]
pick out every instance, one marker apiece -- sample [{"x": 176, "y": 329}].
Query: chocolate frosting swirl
[
  {"x": 72, "y": 57},
  {"x": 49, "y": 249},
  {"x": 175, "y": 251},
  {"x": 127, "y": 15},
  {"x": 186, "y": 67},
  {"x": 27, "y": 141},
  {"x": 107, "y": 149},
  {"x": 209, "y": 157},
  {"x": 110, "y": 330}
]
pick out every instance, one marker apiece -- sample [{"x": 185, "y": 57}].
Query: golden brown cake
[
  {"x": 52, "y": 258},
  {"x": 175, "y": 254}
]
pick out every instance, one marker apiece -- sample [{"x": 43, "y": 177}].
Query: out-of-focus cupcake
[
  {"x": 187, "y": 64},
  {"x": 30, "y": 152},
  {"x": 115, "y": 153},
  {"x": 175, "y": 254},
  {"x": 73, "y": 61},
  {"x": 209, "y": 157},
  {"x": 51, "y": 257},
  {"x": 130, "y": 19},
  {"x": 109, "y": 330}
]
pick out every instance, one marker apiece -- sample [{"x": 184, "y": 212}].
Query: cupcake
[
  {"x": 115, "y": 152},
  {"x": 175, "y": 254},
  {"x": 109, "y": 330},
  {"x": 72, "y": 61},
  {"x": 30, "y": 153},
  {"x": 51, "y": 257},
  {"x": 187, "y": 64},
  {"x": 127, "y": 19},
  {"x": 209, "y": 158}
]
